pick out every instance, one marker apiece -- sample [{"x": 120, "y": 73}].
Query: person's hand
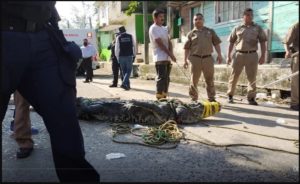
[
  {"x": 185, "y": 65},
  {"x": 228, "y": 60},
  {"x": 261, "y": 60},
  {"x": 287, "y": 54},
  {"x": 173, "y": 57},
  {"x": 219, "y": 58}
]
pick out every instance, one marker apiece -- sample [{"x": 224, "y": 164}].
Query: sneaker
[
  {"x": 86, "y": 81},
  {"x": 230, "y": 99},
  {"x": 252, "y": 102},
  {"x": 295, "y": 107},
  {"x": 24, "y": 152}
]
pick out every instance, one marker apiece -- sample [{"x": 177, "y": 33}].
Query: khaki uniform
[
  {"x": 292, "y": 39},
  {"x": 245, "y": 39},
  {"x": 200, "y": 43},
  {"x": 22, "y": 124}
]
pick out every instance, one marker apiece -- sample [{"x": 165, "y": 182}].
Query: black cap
[{"x": 122, "y": 29}]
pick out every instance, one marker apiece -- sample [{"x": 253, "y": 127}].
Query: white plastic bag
[
  {"x": 280, "y": 121},
  {"x": 114, "y": 156}
]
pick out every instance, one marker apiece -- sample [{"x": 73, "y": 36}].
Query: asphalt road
[{"x": 190, "y": 162}]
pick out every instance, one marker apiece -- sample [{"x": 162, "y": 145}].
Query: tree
[{"x": 137, "y": 6}]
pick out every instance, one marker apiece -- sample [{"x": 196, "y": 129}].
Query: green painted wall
[
  {"x": 285, "y": 14},
  {"x": 139, "y": 26}
]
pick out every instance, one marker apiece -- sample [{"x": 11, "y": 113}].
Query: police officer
[
  {"x": 125, "y": 52},
  {"x": 199, "y": 47},
  {"x": 115, "y": 64},
  {"x": 291, "y": 46},
  {"x": 33, "y": 64},
  {"x": 245, "y": 37}
]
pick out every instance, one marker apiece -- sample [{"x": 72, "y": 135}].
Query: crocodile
[{"x": 144, "y": 111}]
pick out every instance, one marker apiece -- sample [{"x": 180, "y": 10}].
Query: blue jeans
[
  {"x": 126, "y": 67},
  {"x": 46, "y": 79}
]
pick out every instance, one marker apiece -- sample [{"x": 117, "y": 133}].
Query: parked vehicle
[{"x": 77, "y": 35}]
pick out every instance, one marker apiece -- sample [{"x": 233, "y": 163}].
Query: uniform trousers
[
  {"x": 115, "y": 69},
  {"x": 199, "y": 65},
  {"x": 31, "y": 65},
  {"x": 22, "y": 123},
  {"x": 249, "y": 61}
]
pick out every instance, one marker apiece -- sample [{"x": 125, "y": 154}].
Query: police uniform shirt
[
  {"x": 246, "y": 37},
  {"x": 88, "y": 51},
  {"x": 292, "y": 37},
  {"x": 201, "y": 41},
  {"x": 161, "y": 32}
]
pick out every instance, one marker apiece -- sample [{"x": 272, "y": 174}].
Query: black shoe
[
  {"x": 212, "y": 100},
  {"x": 112, "y": 86},
  {"x": 295, "y": 107},
  {"x": 86, "y": 81},
  {"x": 230, "y": 99},
  {"x": 252, "y": 102},
  {"x": 12, "y": 125},
  {"x": 24, "y": 152}
]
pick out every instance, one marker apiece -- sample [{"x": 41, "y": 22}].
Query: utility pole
[
  {"x": 90, "y": 20},
  {"x": 146, "y": 34}
]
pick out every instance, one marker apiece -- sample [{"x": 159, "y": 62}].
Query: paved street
[{"x": 189, "y": 162}]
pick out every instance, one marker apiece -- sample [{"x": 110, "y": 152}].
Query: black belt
[
  {"x": 203, "y": 56},
  {"x": 247, "y": 52},
  {"x": 19, "y": 25}
]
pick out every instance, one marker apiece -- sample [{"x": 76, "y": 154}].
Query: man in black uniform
[
  {"x": 34, "y": 64},
  {"x": 125, "y": 53},
  {"x": 115, "y": 64}
]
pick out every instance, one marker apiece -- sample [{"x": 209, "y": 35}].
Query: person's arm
[
  {"x": 232, "y": 38},
  {"x": 216, "y": 42},
  {"x": 263, "y": 52},
  {"x": 186, "y": 55},
  {"x": 171, "y": 50},
  {"x": 117, "y": 48},
  {"x": 218, "y": 49},
  {"x": 287, "y": 51},
  {"x": 287, "y": 42},
  {"x": 230, "y": 47},
  {"x": 262, "y": 37}
]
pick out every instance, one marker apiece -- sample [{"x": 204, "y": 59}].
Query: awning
[{"x": 110, "y": 28}]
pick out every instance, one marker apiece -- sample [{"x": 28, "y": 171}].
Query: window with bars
[{"x": 230, "y": 10}]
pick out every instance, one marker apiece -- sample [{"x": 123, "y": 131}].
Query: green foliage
[
  {"x": 105, "y": 55},
  {"x": 132, "y": 7}
]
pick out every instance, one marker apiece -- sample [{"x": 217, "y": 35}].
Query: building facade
[{"x": 275, "y": 17}]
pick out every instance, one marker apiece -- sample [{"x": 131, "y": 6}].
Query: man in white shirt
[
  {"x": 125, "y": 52},
  {"x": 88, "y": 51},
  {"x": 162, "y": 50}
]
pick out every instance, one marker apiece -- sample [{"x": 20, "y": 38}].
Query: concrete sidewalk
[{"x": 189, "y": 162}]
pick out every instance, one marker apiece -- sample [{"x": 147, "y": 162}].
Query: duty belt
[
  {"x": 19, "y": 25},
  {"x": 246, "y": 52},
  {"x": 202, "y": 56}
]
